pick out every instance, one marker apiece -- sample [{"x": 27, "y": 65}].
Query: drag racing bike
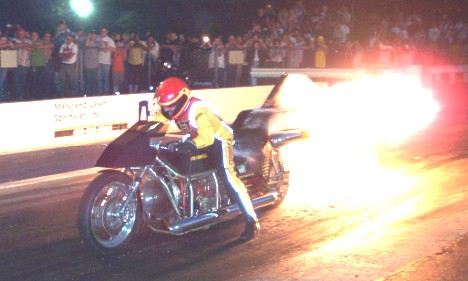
[{"x": 147, "y": 185}]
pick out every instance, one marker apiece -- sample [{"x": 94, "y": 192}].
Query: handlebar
[
  {"x": 172, "y": 146},
  {"x": 157, "y": 144}
]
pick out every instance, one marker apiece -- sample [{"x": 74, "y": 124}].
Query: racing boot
[
  {"x": 245, "y": 205},
  {"x": 251, "y": 228}
]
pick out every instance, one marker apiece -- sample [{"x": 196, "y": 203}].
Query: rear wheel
[
  {"x": 103, "y": 223},
  {"x": 278, "y": 177}
]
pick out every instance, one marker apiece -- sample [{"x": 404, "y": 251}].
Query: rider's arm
[{"x": 206, "y": 130}]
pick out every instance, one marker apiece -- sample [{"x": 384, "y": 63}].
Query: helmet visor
[{"x": 172, "y": 110}]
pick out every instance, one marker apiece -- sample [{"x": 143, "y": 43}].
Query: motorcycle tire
[
  {"x": 280, "y": 175},
  {"x": 101, "y": 225}
]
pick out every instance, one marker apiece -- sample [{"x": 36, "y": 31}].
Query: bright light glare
[
  {"x": 82, "y": 7},
  {"x": 347, "y": 123}
]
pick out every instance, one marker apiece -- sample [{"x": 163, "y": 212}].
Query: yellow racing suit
[{"x": 204, "y": 126}]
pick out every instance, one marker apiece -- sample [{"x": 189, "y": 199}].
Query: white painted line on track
[{"x": 65, "y": 175}]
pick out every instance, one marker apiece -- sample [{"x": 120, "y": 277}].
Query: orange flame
[{"x": 347, "y": 122}]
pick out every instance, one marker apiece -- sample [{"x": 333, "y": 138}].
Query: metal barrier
[{"x": 426, "y": 73}]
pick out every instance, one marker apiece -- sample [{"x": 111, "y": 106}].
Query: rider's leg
[{"x": 239, "y": 191}]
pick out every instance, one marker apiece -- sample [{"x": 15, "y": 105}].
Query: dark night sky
[
  {"x": 158, "y": 16},
  {"x": 180, "y": 16}
]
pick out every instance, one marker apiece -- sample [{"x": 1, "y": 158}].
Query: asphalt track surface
[{"x": 299, "y": 240}]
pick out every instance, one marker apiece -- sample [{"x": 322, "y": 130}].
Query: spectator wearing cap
[
  {"x": 106, "y": 47},
  {"x": 68, "y": 82}
]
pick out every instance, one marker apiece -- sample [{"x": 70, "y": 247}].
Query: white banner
[{"x": 49, "y": 123}]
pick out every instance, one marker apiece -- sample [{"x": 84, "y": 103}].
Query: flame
[{"x": 347, "y": 123}]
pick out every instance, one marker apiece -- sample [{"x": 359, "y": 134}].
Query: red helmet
[{"x": 173, "y": 96}]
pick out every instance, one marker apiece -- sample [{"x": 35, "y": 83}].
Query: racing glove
[{"x": 186, "y": 147}]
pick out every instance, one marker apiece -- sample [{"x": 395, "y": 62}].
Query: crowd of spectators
[{"x": 79, "y": 63}]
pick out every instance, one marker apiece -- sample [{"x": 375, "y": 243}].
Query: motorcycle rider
[{"x": 195, "y": 117}]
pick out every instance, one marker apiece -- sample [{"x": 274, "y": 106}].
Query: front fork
[{"x": 136, "y": 182}]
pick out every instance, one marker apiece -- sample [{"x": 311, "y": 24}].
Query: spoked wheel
[
  {"x": 278, "y": 178},
  {"x": 104, "y": 222}
]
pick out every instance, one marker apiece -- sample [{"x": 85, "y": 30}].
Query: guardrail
[{"x": 426, "y": 73}]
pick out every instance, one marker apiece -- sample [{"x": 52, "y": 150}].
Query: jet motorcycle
[{"x": 148, "y": 185}]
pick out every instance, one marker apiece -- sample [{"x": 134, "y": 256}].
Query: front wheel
[{"x": 103, "y": 223}]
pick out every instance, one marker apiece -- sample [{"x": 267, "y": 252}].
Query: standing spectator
[
  {"x": 324, "y": 12},
  {"x": 296, "y": 51},
  {"x": 341, "y": 32},
  {"x": 4, "y": 45},
  {"x": 68, "y": 84},
  {"x": 58, "y": 40},
  {"x": 321, "y": 51},
  {"x": 185, "y": 54},
  {"x": 80, "y": 40},
  {"x": 260, "y": 19},
  {"x": 59, "y": 37},
  {"x": 434, "y": 35},
  {"x": 461, "y": 29},
  {"x": 91, "y": 63},
  {"x": 178, "y": 44},
  {"x": 270, "y": 15},
  {"x": 167, "y": 47},
  {"x": 38, "y": 67},
  {"x": 358, "y": 55},
  {"x": 283, "y": 18},
  {"x": 385, "y": 52},
  {"x": 256, "y": 56},
  {"x": 300, "y": 12},
  {"x": 232, "y": 68},
  {"x": 345, "y": 15},
  {"x": 106, "y": 47},
  {"x": 152, "y": 59},
  {"x": 217, "y": 63},
  {"x": 135, "y": 62},
  {"x": 125, "y": 39},
  {"x": 277, "y": 53},
  {"x": 308, "y": 58},
  {"x": 201, "y": 51},
  {"x": 61, "y": 31},
  {"x": 118, "y": 67},
  {"x": 50, "y": 87},
  {"x": 20, "y": 73},
  {"x": 292, "y": 21}
]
